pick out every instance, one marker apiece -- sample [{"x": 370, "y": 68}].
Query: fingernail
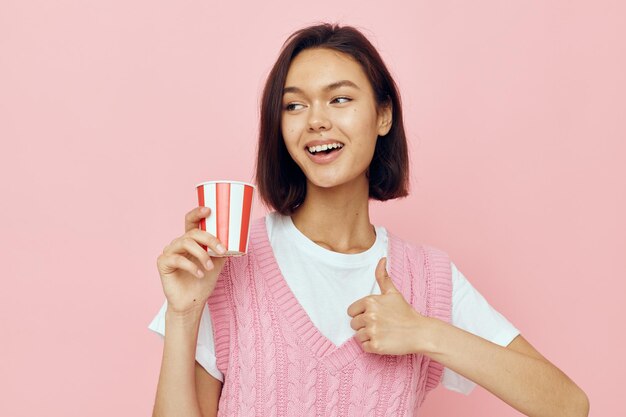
[
  {"x": 209, "y": 264},
  {"x": 204, "y": 209},
  {"x": 200, "y": 273},
  {"x": 220, "y": 248}
]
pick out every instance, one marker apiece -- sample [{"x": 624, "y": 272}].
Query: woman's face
[{"x": 330, "y": 121}]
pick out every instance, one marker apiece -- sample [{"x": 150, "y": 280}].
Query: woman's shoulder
[
  {"x": 413, "y": 247},
  {"x": 260, "y": 230}
]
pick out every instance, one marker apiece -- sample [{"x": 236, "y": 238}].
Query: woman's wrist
[
  {"x": 189, "y": 317},
  {"x": 428, "y": 338}
]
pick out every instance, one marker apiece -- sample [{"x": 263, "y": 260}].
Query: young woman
[{"x": 328, "y": 315}]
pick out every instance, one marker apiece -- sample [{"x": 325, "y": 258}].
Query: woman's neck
[{"x": 336, "y": 218}]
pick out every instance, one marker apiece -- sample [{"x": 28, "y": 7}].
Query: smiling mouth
[{"x": 324, "y": 149}]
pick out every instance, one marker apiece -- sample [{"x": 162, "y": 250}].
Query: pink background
[{"x": 111, "y": 111}]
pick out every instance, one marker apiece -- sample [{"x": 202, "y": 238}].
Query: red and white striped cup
[{"x": 231, "y": 208}]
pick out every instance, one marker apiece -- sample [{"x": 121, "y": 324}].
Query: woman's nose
[{"x": 318, "y": 119}]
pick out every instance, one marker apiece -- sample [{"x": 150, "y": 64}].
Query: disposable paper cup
[{"x": 231, "y": 208}]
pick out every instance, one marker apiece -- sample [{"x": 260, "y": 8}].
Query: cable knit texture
[{"x": 277, "y": 363}]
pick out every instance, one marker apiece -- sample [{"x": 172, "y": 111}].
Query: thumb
[{"x": 384, "y": 280}]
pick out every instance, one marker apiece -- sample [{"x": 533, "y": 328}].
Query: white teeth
[{"x": 325, "y": 147}]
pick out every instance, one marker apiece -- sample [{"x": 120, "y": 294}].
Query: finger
[
  {"x": 192, "y": 219},
  {"x": 357, "y": 322},
  {"x": 362, "y": 335},
  {"x": 187, "y": 245},
  {"x": 384, "y": 280},
  {"x": 370, "y": 346},
  {"x": 173, "y": 262},
  {"x": 207, "y": 240},
  {"x": 356, "y": 308}
]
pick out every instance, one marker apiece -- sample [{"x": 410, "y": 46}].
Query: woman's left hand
[{"x": 387, "y": 324}]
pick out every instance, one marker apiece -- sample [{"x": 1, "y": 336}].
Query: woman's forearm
[
  {"x": 533, "y": 386},
  {"x": 176, "y": 390}
]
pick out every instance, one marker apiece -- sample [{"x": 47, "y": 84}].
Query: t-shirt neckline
[{"x": 322, "y": 254}]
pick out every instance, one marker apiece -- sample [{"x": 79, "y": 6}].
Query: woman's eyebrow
[
  {"x": 342, "y": 83},
  {"x": 329, "y": 87}
]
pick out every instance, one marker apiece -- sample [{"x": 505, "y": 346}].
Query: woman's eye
[
  {"x": 342, "y": 100},
  {"x": 293, "y": 106}
]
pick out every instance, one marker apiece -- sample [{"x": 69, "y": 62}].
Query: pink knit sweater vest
[{"x": 276, "y": 362}]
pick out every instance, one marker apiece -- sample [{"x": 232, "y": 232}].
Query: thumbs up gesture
[{"x": 387, "y": 324}]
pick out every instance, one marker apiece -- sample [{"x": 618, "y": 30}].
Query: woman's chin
[{"x": 335, "y": 182}]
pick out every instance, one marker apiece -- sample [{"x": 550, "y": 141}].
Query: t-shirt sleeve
[
  {"x": 472, "y": 313},
  {"x": 205, "y": 348}
]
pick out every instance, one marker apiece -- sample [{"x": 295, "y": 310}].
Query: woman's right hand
[{"x": 188, "y": 273}]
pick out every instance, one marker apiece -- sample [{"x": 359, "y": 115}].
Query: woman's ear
[{"x": 385, "y": 117}]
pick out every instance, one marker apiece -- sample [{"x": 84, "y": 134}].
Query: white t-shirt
[{"x": 314, "y": 273}]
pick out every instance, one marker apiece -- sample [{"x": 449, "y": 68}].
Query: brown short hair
[{"x": 280, "y": 181}]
